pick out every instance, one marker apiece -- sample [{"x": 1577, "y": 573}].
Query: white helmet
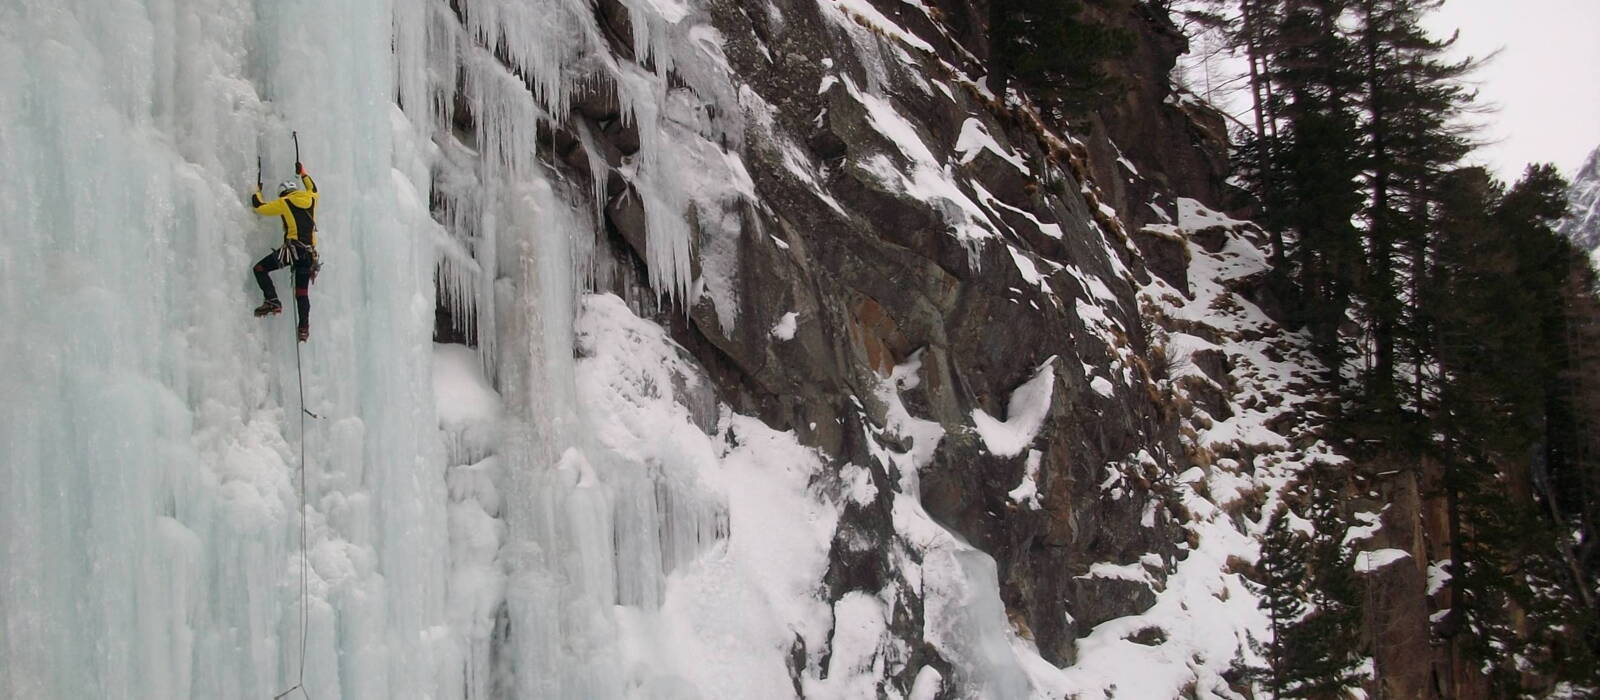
[{"x": 287, "y": 186}]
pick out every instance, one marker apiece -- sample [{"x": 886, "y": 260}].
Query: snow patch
[
  {"x": 1194, "y": 216},
  {"x": 1367, "y": 526},
  {"x": 1103, "y": 387},
  {"x": 1379, "y": 558},
  {"x": 1438, "y": 576},
  {"x": 1025, "y": 414},
  {"x": 975, "y": 138},
  {"x": 1027, "y": 492},
  {"x": 785, "y": 327}
]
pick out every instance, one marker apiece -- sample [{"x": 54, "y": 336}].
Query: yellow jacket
[{"x": 298, "y": 210}]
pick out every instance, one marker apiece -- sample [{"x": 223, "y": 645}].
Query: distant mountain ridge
[{"x": 1582, "y": 223}]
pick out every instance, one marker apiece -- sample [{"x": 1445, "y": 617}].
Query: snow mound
[{"x": 1025, "y": 414}]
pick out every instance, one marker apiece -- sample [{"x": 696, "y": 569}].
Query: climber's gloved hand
[{"x": 299, "y": 169}]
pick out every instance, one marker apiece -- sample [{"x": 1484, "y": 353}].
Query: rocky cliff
[{"x": 1041, "y": 335}]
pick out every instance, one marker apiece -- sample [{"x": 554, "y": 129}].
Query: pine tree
[
  {"x": 1311, "y": 596},
  {"x": 1412, "y": 99},
  {"x": 1283, "y": 576},
  {"x": 1573, "y": 482},
  {"x": 1254, "y": 32},
  {"x": 1304, "y": 164},
  {"x": 1331, "y": 633},
  {"x": 1356, "y": 119},
  {"x": 1572, "y": 488},
  {"x": 1474, "y": 268},
  {"x": 1047, "y": 47},
  {"x": 1552, "y": 588},
  {"x": 1497, "y": 308}
]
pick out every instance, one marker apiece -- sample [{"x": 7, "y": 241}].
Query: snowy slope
[{"x": 1243, "y": 388}]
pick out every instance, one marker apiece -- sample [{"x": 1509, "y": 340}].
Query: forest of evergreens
[{"x": 1459, "y": 333}]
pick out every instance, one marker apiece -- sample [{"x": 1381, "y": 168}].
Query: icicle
[{"x": 599, "y": 169}]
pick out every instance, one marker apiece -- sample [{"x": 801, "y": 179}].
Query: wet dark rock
[
  {"x": 1208, "y": 395},
  {"x": 1211, "y": 239},
  {"x": 1270, "y": 292},
  {"x": 1149, "y": 636},
  {"x": 1166, "y": 255},
  {"x": 1213, "y": 362},
  {"x": 623, "y": 135},
  {"x": 598, "y": 103},
  {"x": 625, "y": 213},
  {"x": 618, "y": 25}
]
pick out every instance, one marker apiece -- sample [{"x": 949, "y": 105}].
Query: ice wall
[
  {"x": 585, "y": 526},
  {"x": 149, "y": 495}
]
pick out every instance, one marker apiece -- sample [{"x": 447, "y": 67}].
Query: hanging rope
[{"x": 305, "y": 610}]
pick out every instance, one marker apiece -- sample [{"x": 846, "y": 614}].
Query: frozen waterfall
[{"x": 149, "y": 506}]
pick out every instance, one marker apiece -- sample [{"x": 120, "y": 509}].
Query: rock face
[
  {"x": 919, "y": 278},
  {"x": 881, "y": 278},
  {"x": 1151, "y": 143},
  {"x": 1582, "y": 223}
]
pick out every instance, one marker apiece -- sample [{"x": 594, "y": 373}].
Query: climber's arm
[{"x": 276, "y": 207}]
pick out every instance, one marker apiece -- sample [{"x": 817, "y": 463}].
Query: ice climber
[{"x": 297, "y": 206}]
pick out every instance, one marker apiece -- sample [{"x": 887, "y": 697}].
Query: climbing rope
[
  {"x": 305, "y": 609},
  {"x": 300, "y": 382}
]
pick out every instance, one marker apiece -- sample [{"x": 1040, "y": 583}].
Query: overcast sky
[{"x": 1545, "y": 82}]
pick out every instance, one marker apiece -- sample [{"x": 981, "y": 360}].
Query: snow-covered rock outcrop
[{"x": 1582, "y": 223}]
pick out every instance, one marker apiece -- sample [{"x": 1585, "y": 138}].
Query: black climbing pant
[{"x": 297, "y": 256}]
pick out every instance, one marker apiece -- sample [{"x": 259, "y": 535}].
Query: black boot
[{"x": 269, "y": 307}]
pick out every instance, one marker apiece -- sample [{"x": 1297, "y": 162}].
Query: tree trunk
[{"x": 1258, "y": 107}]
